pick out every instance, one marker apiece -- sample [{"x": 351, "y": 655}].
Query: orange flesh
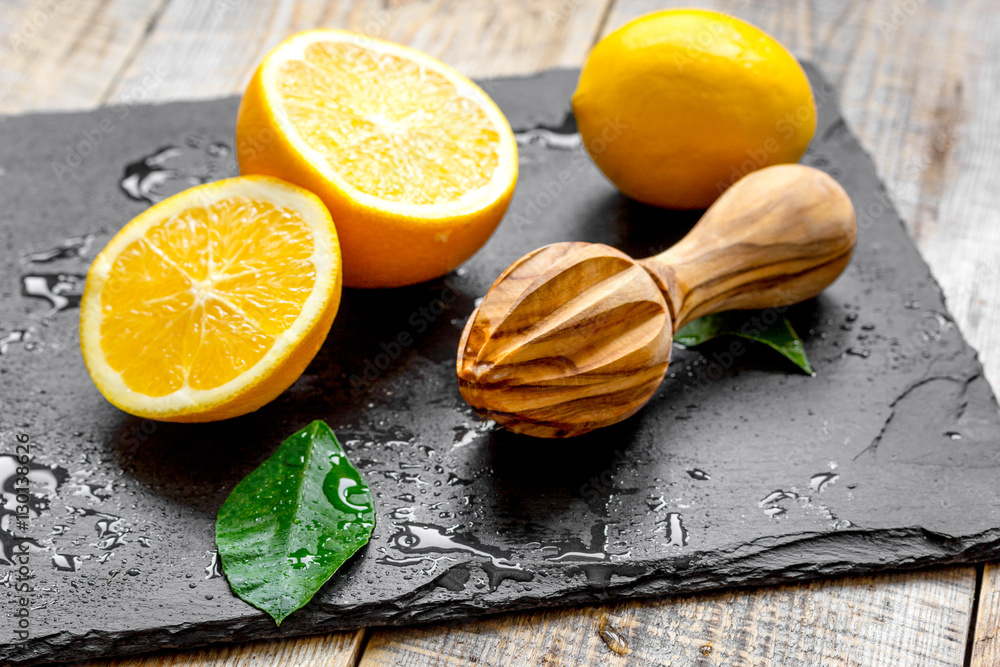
[
  {"x": 389, "y": 127},
  {"x": 202, "y": 296}
]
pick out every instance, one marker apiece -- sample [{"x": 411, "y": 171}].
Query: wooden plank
[
  {"x": 986, "y": 642},
  {"x": 898, "y": 619},
  {"x": 336, "y": 650},
  {"x": 212, "y": 48},
  {"x": 64, "y": 54}
]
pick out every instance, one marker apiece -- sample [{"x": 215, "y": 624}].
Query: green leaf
[
  {"x": 292, "y": 522},
  {"x": 779, "y": 336}
]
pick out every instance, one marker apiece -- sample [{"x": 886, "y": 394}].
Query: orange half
[
  {"x": 211, "y": 303},
  {"x": 415, "y": 162}
]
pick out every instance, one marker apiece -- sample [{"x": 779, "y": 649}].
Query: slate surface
[{"x": 740, "y": 472}]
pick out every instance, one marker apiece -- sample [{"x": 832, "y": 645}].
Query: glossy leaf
[
  {"x": 779, "y": 336},
  {"x": 291, "y": 523}
]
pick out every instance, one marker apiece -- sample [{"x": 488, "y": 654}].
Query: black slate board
[{"x": 740, "y": 472}]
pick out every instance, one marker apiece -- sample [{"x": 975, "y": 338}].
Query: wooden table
[{"x": 919, "y": 82}]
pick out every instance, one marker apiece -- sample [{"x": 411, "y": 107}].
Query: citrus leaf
[
  {"x": 779, "y": 336},
  {"x": 291, "y": 523}
]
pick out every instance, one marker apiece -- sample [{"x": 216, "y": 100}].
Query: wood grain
[
  {"x": 571, "y": 337},
  {"x": 776, "y": 237},
  {"x": 65, "y": 54},
  {"x": 916, "y": 619},
  {"x": 212, "y": 48},
  {"x": 986, "y": 642},
  {"x": 336, "y": 650}
]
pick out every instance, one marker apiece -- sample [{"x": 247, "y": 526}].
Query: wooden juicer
[{"x": 576, "y": 336}]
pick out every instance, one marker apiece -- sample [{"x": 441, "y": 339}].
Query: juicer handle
[{"x": 778, "y": 236}]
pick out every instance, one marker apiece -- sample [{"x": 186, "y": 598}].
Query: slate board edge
[{"x": 781, "y": 562}]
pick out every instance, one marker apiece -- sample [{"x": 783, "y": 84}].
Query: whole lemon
[{"x": 677, "y": 105}]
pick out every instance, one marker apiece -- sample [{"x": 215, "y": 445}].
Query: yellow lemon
[
  {"x": 415, "y": 162},
  {"x": 677, "y": 105},
  {"x": 212, "y": 302}
]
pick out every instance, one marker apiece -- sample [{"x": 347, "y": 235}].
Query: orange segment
[
  {"x": 212, "y": 302},
  {"x": 414, "y": 161},
  {"x": 224, "y": 344}
]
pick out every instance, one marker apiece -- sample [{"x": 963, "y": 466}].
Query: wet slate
[{"x": 741, "y": 471}]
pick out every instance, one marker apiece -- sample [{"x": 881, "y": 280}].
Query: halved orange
[
  {"x": 415, "y": 162},
  {"x": 212, "y": 302}
]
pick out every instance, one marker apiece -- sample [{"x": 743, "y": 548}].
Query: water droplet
[
  {"x": 419, "y": 539},
  {"x": 218, "y": 149},
  {"x": 171, "y": 169},
  {"x": 15, "y": 336},
  {"x": 655, "y": 503},
  {"x": 74, "y": 247},
  {"x": 214, "y": 569},
  {"x": 132, "y": 572},
  {"x": 455, "y": 480},
  {"x": 777, "y": 496},
  {"x": 302, "y": 559},
  {"x": 770, "y": 502},
  {"x": 61, "y": 290},
  {"x": 820, "y": 481},
  {"x": 677, "y": 534},
  {"x": 546, "y": 138},
  {"x": 404, "y": 477},
  {"x": 65, "y": 562}
]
